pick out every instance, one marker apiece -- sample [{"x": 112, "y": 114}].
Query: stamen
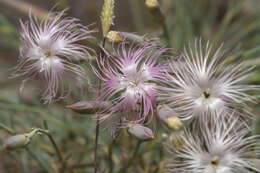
[
  {"x": 48, "y": 54},
  {"x": 133, "y": 83}
]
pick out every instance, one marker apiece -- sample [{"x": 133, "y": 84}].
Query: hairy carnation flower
[
  {"x": 201, "y": 82},
  {"x": 129, "y": 75},
  {"x": 224, "y": 147},
  {"x": 49, "y": 51}
]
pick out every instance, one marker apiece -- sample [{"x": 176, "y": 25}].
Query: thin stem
[
  {"x": 136, "y": 11},
  {"x": 97, "y": 122},
  {"x": 96, "y": 145},
  {"x": 130, "y": 161},
  {"x": 55, "y": 146},
  {"x": 166, "y": 31},
  {"x": 160, "y": 18},
  {"x": 8, "y": 129},
  {"x": 25, "y": 7},
  {"x": 110, "y": 159}
]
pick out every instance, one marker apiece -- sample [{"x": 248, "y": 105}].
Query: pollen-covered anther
[{"x": 133, "y": 83}]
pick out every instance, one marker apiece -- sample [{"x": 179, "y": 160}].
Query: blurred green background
[{"x": 234, "y": 22}]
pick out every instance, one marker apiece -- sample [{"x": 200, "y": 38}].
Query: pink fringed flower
[
  {"x": 202, "y": 82},
  {"x": 49, "y": 50},
  {"x": 129, "y": 75}
]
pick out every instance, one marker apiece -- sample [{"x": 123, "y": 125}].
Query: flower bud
[
  {"x": 87, "y": 107},
  {"x": 174, "y": 123},
  {"x": 19, "y": 141},
  {"x": 168, "y": 116},
  {"x": 133, "y": 37},
  {"x": 114, "y": 36},
  {"x": 176, "y": 139},
  {"x": 152, "y": 4},
  {"x": 16, "y": 142},
  {"x": 141, "y": 132}
]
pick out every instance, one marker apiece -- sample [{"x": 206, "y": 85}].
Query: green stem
[
  {"x": 55, "y": 146},
  {"x": 96, "y": 145},
  {"x": 136, "y": 11},
  {"x": 160, "y": 19},
  {"x": 166, "y": 33},
  {"x": 110, "y": 159},
  {"x": 130, "y": 161},
  {"x": 8, "y": 129},
  {"x": 97, "y": 122}
]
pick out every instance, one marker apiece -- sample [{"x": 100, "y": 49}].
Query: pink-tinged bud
[
  {"x": 87, "y": 107},
  {"x": 16, "y": 142},
  {"x": 133, "y": 37},
  {"x": 168, "y": 116},
  {"x": 19, "y": 141},
  {"x": 141, "y": 132}
]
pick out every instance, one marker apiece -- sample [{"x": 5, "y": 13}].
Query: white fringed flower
[
  {"x": 223, "y": 147},
  {"x": 201, "y": 81}
]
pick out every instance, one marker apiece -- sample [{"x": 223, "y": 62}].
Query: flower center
[
  {"x": 49, "y": 61},
  {"x": 133, "y": 83},
  {"x": 206, "y": 94},
  {"x": 48, "y": 54},
  {"x": 215, "y": 161}
]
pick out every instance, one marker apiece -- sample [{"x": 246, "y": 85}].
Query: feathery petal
[
  {"x": 201, "y": 82},
  {"x": 49, "y": 50},
  {"x": 130, "y": 74},
  {"x": 222, "y": 147}
]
